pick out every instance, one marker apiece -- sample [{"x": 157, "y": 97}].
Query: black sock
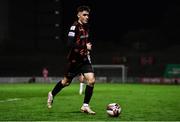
[
  {"x": 88, "y": 94},
  {"x": 57, "y": 88}
]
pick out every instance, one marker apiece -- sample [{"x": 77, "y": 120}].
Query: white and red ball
[{"x": 113, "y": 109}]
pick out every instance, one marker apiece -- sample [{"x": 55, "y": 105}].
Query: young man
[{"x": 78, "y": 59}]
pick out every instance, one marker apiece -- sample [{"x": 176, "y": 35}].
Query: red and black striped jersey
[{"x": 78, "y": 37}]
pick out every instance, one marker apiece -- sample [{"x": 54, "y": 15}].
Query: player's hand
[{"x": 89, "y": 46}]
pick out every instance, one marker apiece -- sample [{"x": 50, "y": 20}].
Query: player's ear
[{"x": 78, "y": 14}]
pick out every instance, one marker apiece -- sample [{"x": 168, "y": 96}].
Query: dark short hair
[{"x": 83, "y": 8}]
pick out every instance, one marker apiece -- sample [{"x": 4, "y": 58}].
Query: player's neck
[{"x": 80, "y": 22}]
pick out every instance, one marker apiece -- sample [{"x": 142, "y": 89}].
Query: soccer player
[{"x": 78, "y": 59}]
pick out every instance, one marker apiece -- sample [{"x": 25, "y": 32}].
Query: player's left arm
[{"x": 90, "y": 41}]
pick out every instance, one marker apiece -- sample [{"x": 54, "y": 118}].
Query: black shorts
[{"x": 73, "y": 69}]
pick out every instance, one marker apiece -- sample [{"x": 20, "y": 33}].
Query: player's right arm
[{"x": 73, "y": 38}]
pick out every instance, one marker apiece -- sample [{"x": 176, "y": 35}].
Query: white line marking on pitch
[{"x": 10, "y": 100}]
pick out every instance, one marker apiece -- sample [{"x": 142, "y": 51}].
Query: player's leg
[
  {"x": 69, "y": 75},
  {"x": 88, "y": 92},
  {"x": 81, "y": 80},
  {"x": 58, "y": 87}
]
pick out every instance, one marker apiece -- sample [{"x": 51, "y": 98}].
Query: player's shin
[
  {"x": 57, "y": 88},
  {"x": 88, "y": 94}
]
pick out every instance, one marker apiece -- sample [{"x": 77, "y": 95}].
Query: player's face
[{"x": 83, "y": 17}]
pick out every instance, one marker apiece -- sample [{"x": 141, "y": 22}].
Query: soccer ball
[{"x": 113, "y": 109}]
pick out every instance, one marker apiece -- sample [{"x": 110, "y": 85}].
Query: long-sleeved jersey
[{"x": 78, "y": 37}]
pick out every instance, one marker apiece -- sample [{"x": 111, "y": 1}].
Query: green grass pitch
[{"x": 27, "y": 102}]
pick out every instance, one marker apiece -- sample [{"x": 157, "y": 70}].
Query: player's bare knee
[
  {"x": 63, "y": 82},
  {"x": 66, "y": 82},
  {"x": 91, "y": 81}
]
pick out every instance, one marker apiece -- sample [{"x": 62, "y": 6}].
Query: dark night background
[{"x": 143, "y": 35}]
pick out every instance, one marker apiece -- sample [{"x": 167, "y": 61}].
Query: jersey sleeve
[{"x": 72, "y": 35}]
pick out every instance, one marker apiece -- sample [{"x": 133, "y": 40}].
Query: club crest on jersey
[{"x": 84, "y": 36}]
